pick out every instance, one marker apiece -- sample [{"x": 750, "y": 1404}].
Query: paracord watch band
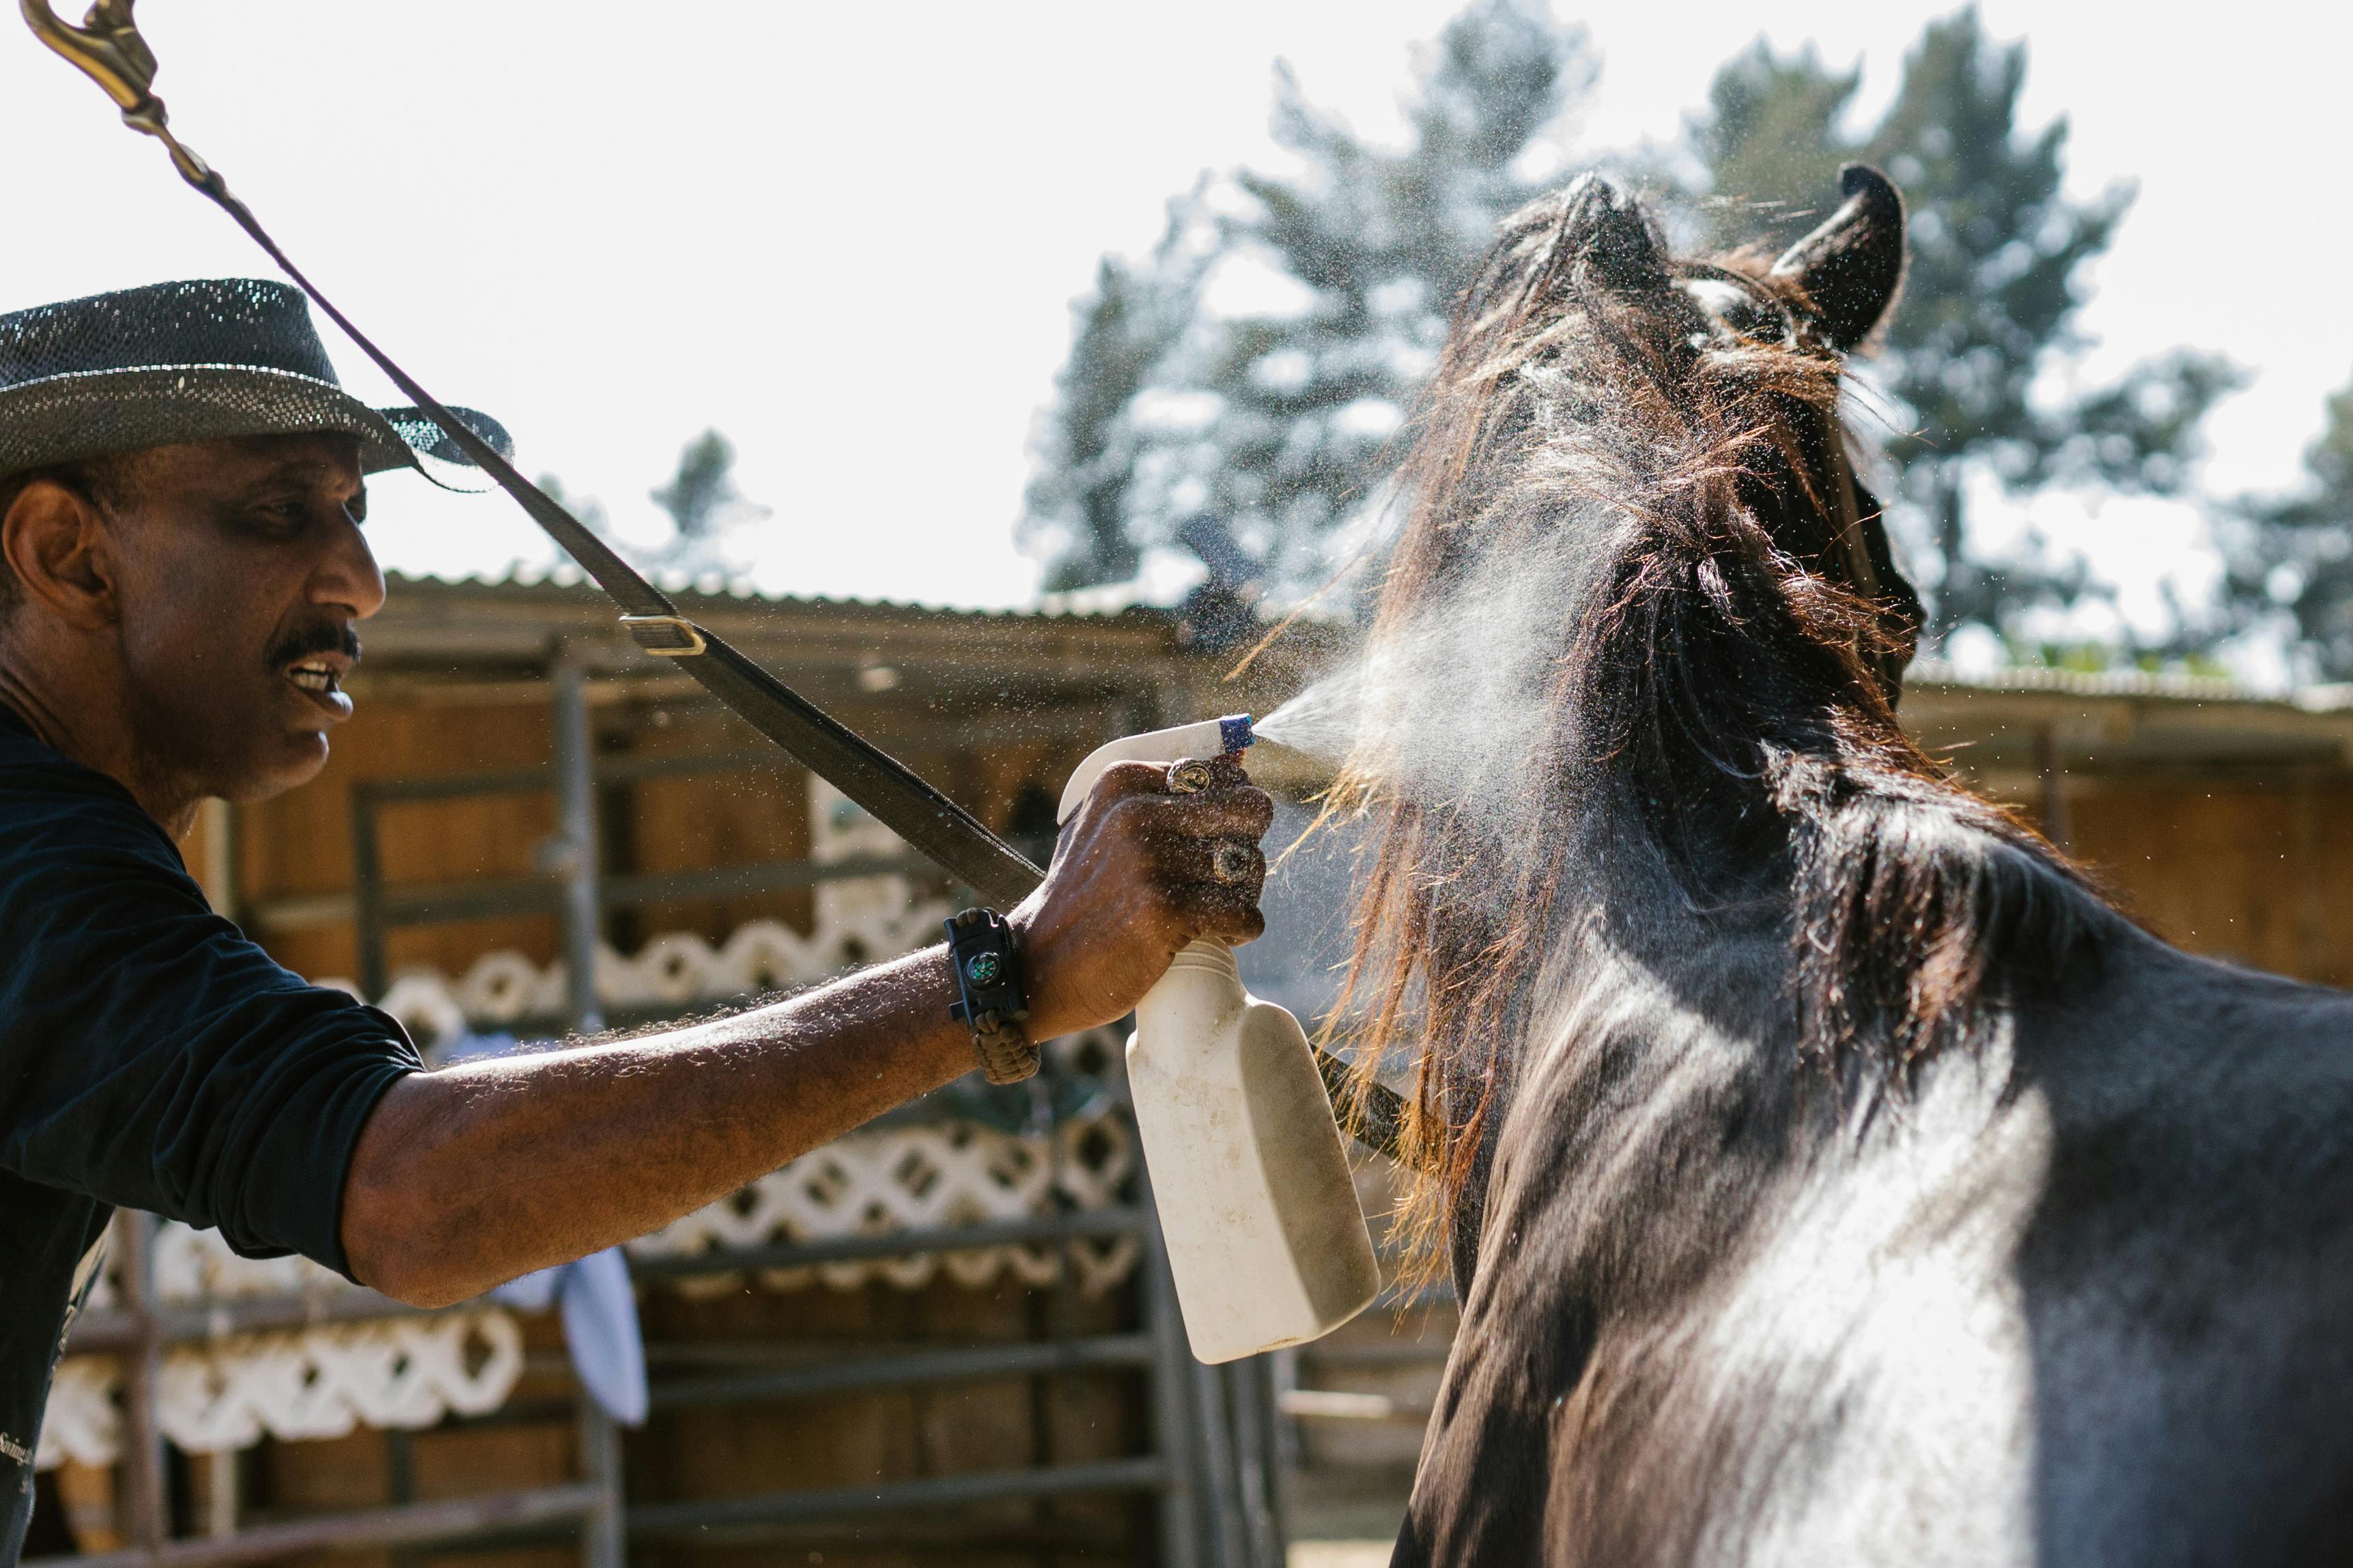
[{"x": 991, "y": 1003}]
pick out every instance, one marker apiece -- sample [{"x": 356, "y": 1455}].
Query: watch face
[{"x": 984, "y": 968}]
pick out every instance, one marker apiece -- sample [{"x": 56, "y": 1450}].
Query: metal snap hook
[{"x": 108, "y": 48}]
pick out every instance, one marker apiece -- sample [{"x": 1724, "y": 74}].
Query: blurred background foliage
[{"x": 1238, "y": 394}]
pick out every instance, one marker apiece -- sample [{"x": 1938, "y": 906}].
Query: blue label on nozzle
[{"x": 1234, "y": 732}]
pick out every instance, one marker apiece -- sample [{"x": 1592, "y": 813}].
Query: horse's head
[
  {"x": 1638, "y": 572},
  {"x": 1634, "y": 535},
  {"x": 1589, "y": 372}
]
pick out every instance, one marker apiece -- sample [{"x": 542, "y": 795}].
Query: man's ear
[{"x": 59, "y": 549}]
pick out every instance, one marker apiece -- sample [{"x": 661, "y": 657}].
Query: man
[{"x": 180, "y": 571}]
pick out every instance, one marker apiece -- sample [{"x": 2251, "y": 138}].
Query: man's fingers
[
  {"x": 1243, "y": 813},
  {"x": 1237, "y": 863},
  {"x": 1227, "y": 913},
  {"x": 1123, "y": 779},
  {"x": 1194, "y": 774},
  {"x": 1195, "y": 825},
  {"x": 1121, "y": 784},
  {"x": 1212, "y": 887}
]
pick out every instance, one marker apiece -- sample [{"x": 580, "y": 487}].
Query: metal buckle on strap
[{"x": 666, "y": 636}]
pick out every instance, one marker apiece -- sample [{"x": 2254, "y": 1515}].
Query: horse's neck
[
  {"x": 1630, "y": 909},
  {"x": 1649, "y": 994},
  {"x": 1660, "y": 1048}
]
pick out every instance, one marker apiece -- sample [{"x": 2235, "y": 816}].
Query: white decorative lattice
[
  {"x": 874, "y": 1183},
  {"x": 321, "y": 1382},
  {"x": 858, "y": 920},
  {"x": 922, "y": 1178},
  {"x": 678, "y": 970},
  {"x": 82, "y": 1421},
  {"x": 197, "y": 1266}
]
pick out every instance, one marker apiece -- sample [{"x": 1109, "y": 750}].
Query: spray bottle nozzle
[{"x": 1234, "y": 731}]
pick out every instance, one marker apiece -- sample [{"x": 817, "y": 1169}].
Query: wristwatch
[{"x": 989, "y": 997}]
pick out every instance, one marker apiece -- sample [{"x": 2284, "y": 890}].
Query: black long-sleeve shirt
[{"x": 150, "y": 1056}]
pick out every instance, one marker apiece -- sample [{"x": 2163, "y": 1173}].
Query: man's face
[{"x": 241, "y": 573}]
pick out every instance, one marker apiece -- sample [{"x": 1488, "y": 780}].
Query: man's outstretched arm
[{"x": 475, "y": 1173}]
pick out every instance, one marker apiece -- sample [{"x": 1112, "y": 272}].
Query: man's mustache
[{"x": 314, "y": 636}]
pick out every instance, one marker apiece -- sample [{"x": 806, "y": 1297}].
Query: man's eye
[{"x": 280, "y": 517}]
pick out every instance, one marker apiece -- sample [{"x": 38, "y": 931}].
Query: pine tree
[
  {"x": 704, "y": 505},
  {"x": 2290, "y": 561},
  {"x": 1254, "y": 435},
  {"x": 1997, "y": 278},
  {"x": 1768, "y": 142},
  {"x": 1089, "y": 447}
]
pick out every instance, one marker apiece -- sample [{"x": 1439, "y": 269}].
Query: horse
[{"x": 1828, "y": 1171}]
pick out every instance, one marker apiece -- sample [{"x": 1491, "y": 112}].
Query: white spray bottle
[{"x": 1266, "y": 1242}]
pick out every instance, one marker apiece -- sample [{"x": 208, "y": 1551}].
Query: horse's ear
[
  {"x": 1605, "y": 229},
  {"x": 1853, "y": 266}
]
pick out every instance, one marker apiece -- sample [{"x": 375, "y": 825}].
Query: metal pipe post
[
  {"x": 575, "y": 860},
  {"x": 2050, "y": 768},
  {"x": 1180, "y": 1525},
  {"x": 602, "y": 1533},
  {"x": 1220, "y": 1485},
  {"x": 221, "y": 1493},
  {"x": 146, "y": 1523},
  {"x": 602, "y": 1537},
  {"x": 1253, "y": 1461},
  {"x": 1281, "y": 1376},
  {"x": 367, "y": 896},
  {"x": 216, "y": 872},
  {"x": 1278, "y": 1466}
]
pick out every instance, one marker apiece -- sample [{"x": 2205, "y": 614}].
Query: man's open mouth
[
  {"x": 315, "y": 674},
  {"x": 319, "y": 676},
  {"x": 316, "y": 659}
]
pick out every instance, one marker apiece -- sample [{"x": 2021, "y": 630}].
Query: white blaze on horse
[{"x": 1830, "y": 1175}]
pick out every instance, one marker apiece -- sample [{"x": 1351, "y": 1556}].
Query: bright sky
[{"x": 849, "y": 236}]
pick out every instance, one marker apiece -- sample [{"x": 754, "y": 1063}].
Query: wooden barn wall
[
  {"x": 733, "y": 1450},
  {"x": 697, "y": 822},
  {"x": 301, "y": 844},
  {"x": 901, "y": 1433},
  {"x": 2258, "y": 874}
]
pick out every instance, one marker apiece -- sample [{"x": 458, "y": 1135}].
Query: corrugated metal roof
[
  {"x": 1119, "y": 601},
  {"x": 2089, "y": 682},
  {"x": 1090, "y": 604}
]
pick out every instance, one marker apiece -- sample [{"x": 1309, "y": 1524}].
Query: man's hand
[{"x": 1139, "y": 872}]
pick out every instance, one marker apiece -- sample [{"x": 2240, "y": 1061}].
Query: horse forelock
[{"x": 1630, "y": 589}]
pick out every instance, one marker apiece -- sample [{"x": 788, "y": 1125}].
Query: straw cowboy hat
[{"x": 194, "y": 360}]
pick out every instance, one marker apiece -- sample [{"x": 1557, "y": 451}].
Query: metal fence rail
[{"x": 415, "y": 1524}]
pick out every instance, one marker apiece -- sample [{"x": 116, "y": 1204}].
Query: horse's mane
[{"x": 1716, "y": 680}]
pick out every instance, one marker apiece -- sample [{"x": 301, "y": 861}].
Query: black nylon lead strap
[{"x": 897, "y": 797}]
